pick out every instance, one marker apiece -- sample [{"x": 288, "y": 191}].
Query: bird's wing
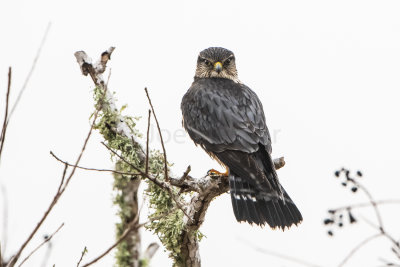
[
  {"x": 220, "y": 115},
  {"x": 227, "y": 120}
]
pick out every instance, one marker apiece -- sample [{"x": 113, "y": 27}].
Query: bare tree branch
[
  {"x": 374, "y": 204},
  {"x": 94, "y": 169},
  {"x": 82, "y": 254},
  {"x": 382, "y": 232},
  {"x": 61, "y": 189},
  {"x": 4, "y": 128},
  {"x": 41, "y": 244},
  {"x": 15, "y": 258},
  {"x": 368, "y": 204},
  {"x": 122, "y": 129},
  {"x": 132, "y": 226},
  {"x": 356, "y": 248},
  {"x": 371, "y": 200},
  {"x": 85, "y": 63},
  {"x": 147, "y": 144}
]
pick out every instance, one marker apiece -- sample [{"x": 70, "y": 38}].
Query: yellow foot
[{"x": 213, "y": 172}]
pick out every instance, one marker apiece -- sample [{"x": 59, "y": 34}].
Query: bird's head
[{"x": 216, "y": 62}]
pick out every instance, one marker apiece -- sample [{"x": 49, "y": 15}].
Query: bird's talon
[{"x": 214, "y": 173}]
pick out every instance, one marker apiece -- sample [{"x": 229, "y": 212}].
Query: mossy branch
[{"x": 175, "y": 221}]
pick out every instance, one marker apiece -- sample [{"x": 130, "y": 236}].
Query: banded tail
[{"x": 254, "y": 206}]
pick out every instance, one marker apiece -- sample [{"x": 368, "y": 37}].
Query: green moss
[
  {"x": 144, "y": 263},
  {"x": 166, "y": 219},
  {"x": 106, "y": 124}
]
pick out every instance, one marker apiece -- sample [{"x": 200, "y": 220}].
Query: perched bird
[{"x": 226, "y": 118}]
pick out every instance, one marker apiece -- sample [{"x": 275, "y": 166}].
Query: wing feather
[{"x": 220, "y": 114}]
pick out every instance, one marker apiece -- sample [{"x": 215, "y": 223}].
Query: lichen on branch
[{"x": 166, "y": 220}]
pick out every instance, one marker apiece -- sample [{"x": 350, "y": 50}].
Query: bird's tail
[{"x": 254, "y": 206}]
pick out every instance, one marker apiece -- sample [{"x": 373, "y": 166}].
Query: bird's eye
[
  {"x": 228, "y": 61},
  {"x": 207, "y": 62}
]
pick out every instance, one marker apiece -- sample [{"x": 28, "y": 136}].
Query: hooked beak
[{"x": 218, "y": 67}]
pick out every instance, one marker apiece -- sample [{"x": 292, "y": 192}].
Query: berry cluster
[{"x": 336, "y": 216}]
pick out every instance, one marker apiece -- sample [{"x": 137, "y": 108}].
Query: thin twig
[
  {"x": 377, "y": 212},
  {"x": 4, "y": 128},
  {"x": 82, "y": 150},
  {"x": 93, "y": 169},
  {"x": 63, "y": 177},
  {"x": 83, "y": 254},
  {"x": 161, "y": 184},
  {"x": 46, "y": 255},
  {"x": 133, "y": 225},
  {"x": 186, "y": 173},
  {"x": 5, "y": 219},
  {"x": 161, "y": 137},
  {"x": 15, "y": 258},
  {"x": 372, "y": 201},
  {"x": 147, "y": 143},
  {"x": 383, "y": 232},
  {"x": 356, "y": 248},
  {"x": 368, "y": 204},
  {"x": 59, "y": 193},
  {"x": 31, "y": 71},
  {"x": 388, "y": 263},
  {"x": 280, "y": 255},
  {"x": 124, "y": 160},
  {"x": 41, "y": 244}
]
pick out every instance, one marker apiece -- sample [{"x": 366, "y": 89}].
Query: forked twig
[
  {"x": 161, "y": 137},
  {"x": 60, "y": 191},
  {"x": 157, "y": 182},
  {"x": 372, "y": 203}
]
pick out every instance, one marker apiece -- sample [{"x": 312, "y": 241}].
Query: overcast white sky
[{"x": 327, "y": 73}]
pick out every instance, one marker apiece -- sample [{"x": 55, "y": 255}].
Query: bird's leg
[{"x": 214, "y": 172}]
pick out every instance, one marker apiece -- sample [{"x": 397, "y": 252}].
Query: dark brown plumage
[{"x": 226, "y": 118}]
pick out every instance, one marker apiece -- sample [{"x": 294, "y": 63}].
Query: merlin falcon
[{"x": 226, "y": 118}]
